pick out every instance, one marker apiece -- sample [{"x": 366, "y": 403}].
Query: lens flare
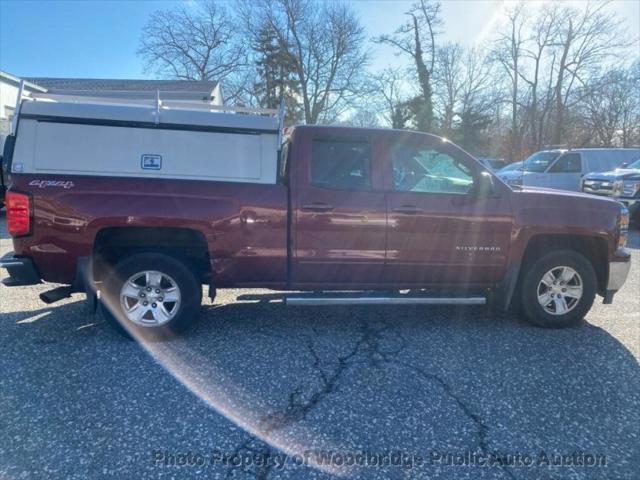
[{"x": 222, "y": 394}]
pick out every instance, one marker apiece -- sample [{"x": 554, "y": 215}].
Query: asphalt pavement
[{"x": 260, "y": 390}]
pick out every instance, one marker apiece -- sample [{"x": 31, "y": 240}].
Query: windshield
[
  {"x": 510, "y": 167},
  {"x": 634, "y": 165},
  {"x": 538, "y": 162}
]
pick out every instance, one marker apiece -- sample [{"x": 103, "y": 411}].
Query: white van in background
[{"x": 564, "y": 169}]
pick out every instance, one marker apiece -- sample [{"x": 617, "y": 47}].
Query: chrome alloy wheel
[
  {"x": 560, "y": 290},
  {"x": 150, "y": 298}
]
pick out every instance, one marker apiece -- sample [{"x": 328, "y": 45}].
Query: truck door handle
[
  {"x": 407, "y": 209},
  {"x": 317, "y": 207}
]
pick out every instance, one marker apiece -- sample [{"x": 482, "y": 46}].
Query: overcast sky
[{"x": 99, "y": 38}]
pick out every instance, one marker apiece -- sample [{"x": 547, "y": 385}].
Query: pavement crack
[
  {"x": 300, "y": 403},
  {"x": 481, "y": 425},
  {"x": 371, "y": 345}
]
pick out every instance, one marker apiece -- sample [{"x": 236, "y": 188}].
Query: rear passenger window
[
  {"x": 568, "y": 163},
  {"x": 341, "y": 164}
]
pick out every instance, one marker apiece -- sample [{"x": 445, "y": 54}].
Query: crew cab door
[
  {"x": 338, "y": 209},
  {"x": 536, "y": 179},
  {"x": 442, "y": 229}
]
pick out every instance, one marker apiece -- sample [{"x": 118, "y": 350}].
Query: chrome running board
[{"x": 399, "y": 300}]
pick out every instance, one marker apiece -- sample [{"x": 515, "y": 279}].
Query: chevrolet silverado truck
[
  {"x": 146, "y": 203},
  {"x": 622, "y": 184}
]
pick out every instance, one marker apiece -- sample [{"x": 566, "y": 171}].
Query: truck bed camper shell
[{"x": 147, "y": 138}]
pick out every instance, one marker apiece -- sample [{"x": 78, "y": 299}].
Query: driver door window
[{"x": 427, "y": 170}]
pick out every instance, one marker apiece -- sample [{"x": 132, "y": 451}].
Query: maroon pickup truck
[{"x": 354, "y": 216}]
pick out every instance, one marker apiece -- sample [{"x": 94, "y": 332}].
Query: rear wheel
[
  {"x": 151, "y": 295},
  {"x": 558, "y": 289}
]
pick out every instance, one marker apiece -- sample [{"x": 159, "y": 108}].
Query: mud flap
[
  {"x": 504, "y": 290},
  {"x": 608, "y": 297}
]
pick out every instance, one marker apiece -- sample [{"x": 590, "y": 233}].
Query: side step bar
[{"x": 315, "y": 301}]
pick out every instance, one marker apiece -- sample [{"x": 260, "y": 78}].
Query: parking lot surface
[{"x": 260, "y": 390}]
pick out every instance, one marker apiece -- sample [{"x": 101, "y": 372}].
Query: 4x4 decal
[{"x": 52, "y": 183}]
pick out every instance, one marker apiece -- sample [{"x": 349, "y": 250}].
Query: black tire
[
  {"x": 188, "y": 308},
  {"x": 531, "y": 307}
]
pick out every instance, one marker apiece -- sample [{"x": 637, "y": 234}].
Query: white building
[{"x": 9, "y": 87}]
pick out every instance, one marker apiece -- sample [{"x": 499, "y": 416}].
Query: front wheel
[
  {"x": 558, "y": 289},
  {"x": 151, "y": 296}
]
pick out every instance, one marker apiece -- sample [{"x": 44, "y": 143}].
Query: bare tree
[
  {"x": 631, "y": 116},
  {"x": 448, "y": 76},
  {"x": 477, "y": 99},
  {"x": 365, "y": 117},
  {"x": 390, "y": 92},
  {"x": 611, "y": 109},
  {"x": 239, "y": 88},
  {"x": 463, "y": 94},
  {"x": 586, "y": 38},
  {"x": 508, "y": 52},
  {"x": 416, "y": 38},
  {"x": 192, "y": 44},
  {"x": 543, "y": 34},
  {"x": 324, "y": 43}
]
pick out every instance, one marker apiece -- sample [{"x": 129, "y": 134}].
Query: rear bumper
[{"x": 22, "y": 270}]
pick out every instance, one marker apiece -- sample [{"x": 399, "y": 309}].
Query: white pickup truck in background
[{"x": 565, "y": 169}]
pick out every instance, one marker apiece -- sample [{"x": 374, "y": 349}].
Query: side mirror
[{"x": 483, "y": 186}]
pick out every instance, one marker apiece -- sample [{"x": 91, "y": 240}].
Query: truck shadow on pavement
[{"x": 424, "y": 381}]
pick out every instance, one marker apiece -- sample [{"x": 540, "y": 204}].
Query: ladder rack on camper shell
[
  {"x": 147, "y": 98},
  {"x": 135, "y": 98}
]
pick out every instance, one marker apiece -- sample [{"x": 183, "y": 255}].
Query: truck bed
[{"x": 244, "y": 224}]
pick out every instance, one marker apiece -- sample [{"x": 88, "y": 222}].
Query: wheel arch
[
  {"x": 594, "y": 249},
  {"x": 188, "y": 245}
]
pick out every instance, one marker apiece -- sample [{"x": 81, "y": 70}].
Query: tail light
[{"x": 18, "y": 213}]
